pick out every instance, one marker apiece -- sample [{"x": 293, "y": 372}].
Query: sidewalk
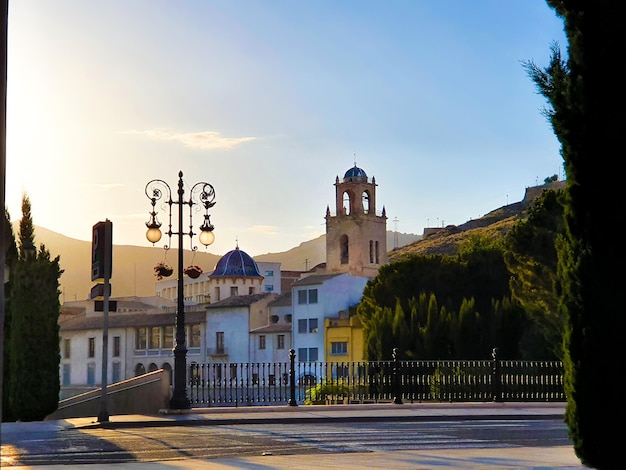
[
  {"x": 442, "y": 459},
  {"x": 317, "y": 413}
]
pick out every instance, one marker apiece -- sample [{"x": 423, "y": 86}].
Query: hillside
[
  {"x": 133, "y": 265},
  {"x": 495, "y": 224}
]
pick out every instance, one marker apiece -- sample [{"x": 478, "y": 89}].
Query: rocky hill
[{"x": 495, "y": 224}]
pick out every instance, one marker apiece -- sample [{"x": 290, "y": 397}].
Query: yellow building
[{"x": 343, "y": 338}]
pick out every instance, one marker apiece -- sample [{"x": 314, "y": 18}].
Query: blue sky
[{"x": 269, "y": 101}]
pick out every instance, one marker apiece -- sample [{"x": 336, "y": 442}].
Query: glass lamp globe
[
  {"x": 153, "y": 235},
  {"x": 206, "y": 237}
]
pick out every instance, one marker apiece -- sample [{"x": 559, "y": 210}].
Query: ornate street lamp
[{"x": 201, "y": 194}]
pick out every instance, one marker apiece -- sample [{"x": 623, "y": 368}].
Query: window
[
  {"x": 219, "y": 342},
  {"x": 307, "y": 296},
  {"x": 308, "y": 326},
  {"x": 340, "y": 347},
  {"x": 272, "y": 380},
  {"x": 344, "y": 249},
  {"x": 288, "y": 318},
  {"x": 261, "y": 341},
  {"x": 234, "y": 291},
  {"x": 268, "y": 288},
  {"x": 302, "y": 354},
  {"x": 141, "y": 338},
  {"x": 280, "y": 342},
  {"x": 154, "y": 338},
  {"x": 116, "y": 347},
  {"x": 307, "y": 354},
  {"x": 139, "y": 369},
  {"x": 92, "y": 347},
  {"x": 168, "y": 337},
  {"x": 269, "y": 273},
  {"x": 366, "y": 202},
  {"x": 371, "y": 251},
  {"x": 216, "y": 295},
  {"x": 66, "y": 348},
  {"x": 274, "y": 318},
  {"x": 194, "y": 336},
  {"x": 250, "y": 290},
  {"x": 255, "y": 378},
  {"x": 233, "y": 371},
  {"x": 377, "y": 257}
]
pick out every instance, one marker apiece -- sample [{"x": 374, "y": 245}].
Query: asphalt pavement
[{"x": 467, "y": 458}]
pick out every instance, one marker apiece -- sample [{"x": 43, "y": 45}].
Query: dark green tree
[
  {"x": 34, "y": 341},
  {"x": 586, "y": 96},
  {"x": 531, "y": 258},
  {"x": 467, "y": 330},
  {"x": 11, "y": 258}
]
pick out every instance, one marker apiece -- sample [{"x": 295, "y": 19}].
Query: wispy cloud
[{"x": 206, "y": 140}]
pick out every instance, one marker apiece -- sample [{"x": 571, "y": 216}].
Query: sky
[{"x": 269, "y": 101}]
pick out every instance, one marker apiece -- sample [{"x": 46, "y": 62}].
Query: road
[{"x": 55, "y": 446}]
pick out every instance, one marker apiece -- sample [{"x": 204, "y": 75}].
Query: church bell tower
[{"x": 356, "y": 238}]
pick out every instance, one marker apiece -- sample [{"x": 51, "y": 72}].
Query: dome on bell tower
[
  {"x": 355, "y": 174},
  {"x": 236, "y": 263}
]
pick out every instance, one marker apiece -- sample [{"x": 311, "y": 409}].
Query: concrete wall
[{"x": 146, "y": 394}]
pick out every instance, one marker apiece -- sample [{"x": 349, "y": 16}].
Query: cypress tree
[
  {"x": 34, "y": 342},
  {"x": 587, "y": 96},
  {"x": 10, "y": 259}
]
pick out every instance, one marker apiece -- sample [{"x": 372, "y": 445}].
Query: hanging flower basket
[
  {"x": 193, "y": 271},
  {"x": 162, "y": 270}
]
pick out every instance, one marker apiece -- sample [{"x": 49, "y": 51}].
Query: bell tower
[{"x": 356, "y": 238}]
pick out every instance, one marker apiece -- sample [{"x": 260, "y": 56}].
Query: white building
[
  {"x": 141, "y": 338},
  {"x": 315, "y": 298},
  {"x": 271, "y": 342},
  {"x": 229, "y": 322}
]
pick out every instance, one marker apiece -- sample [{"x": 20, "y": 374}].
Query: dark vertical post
[
  {"x": 103, "y": 416},
  {"x": 4, "y": 6},
  {"x": 396, "y": 378},
  {"x": 495, "y": 376},
  {"x": 292, "y": 378},
  {"x": 179, "y": 400}
]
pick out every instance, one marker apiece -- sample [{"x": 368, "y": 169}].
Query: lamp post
[{"x": 201, "y": 194}]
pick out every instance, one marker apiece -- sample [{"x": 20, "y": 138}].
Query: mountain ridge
[{"x": 132, "y": 267}]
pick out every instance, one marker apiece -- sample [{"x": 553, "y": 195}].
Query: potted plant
[
  {"x": 193, "y": 271},
  {"x": 162, "y": 269}
]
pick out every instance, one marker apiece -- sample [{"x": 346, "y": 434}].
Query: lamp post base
[{"x": 180, "y": 403}]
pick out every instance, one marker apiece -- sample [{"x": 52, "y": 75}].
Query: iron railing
[{"x": 293, "y": 383}]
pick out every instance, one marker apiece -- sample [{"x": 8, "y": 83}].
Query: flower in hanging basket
[
  {"x": 162, "y": 269},
  {"x": 193, "y": 271}
]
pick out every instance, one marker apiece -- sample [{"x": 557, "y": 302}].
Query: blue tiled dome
[
  {"x": 355, "y": 174},
  {"x": 236, "y": 263}
]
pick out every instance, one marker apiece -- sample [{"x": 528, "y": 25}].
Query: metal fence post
[
  {"x": 396, "y": 378},
  {"x": 292, "y": 377},
  {"x": 495, "y": 376}
]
